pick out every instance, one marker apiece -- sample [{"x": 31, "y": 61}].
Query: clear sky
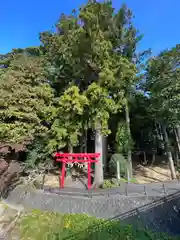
[{"x": 22, "y": 20}]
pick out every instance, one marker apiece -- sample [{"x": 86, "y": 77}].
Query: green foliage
[
  {"x": 162, "y": 82},
  {"x": 67, "y": 119},
  {"x": 38, "y": 225},
  {"x": 82, "y": 75},
  {"x": 132, "y": 180},
  {"x": 45, "y": 225},
  {"x": 37, "y": 152},
  {"x": 143, "y": 125},
  {"x": 25, "y": 97},
  {"x": 113, "y": 163},
  {"x": 162, "y": 87},
  {"x": 114, "y": 183},
  {"x": 101, "y": 105},
  {"x": 123, "y": 140},
  {"x": 109, "y": 184},
  {"x": 95, "y": 56}
]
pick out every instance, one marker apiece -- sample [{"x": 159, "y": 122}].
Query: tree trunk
[
  {"x": 156, "y": 136},
  {"x": 105, "y": 152},
  {"x": 129, "y": 154},
  {"x": 145, "y": 160},
  {"x": 70, "y": 148},
  {"x": 177, "y": 148},
  {"x": 85, "y": 141},
  {"x": 169, "y": 154},
  {"x": 153, "y": 158},
  {"x": 98, "y": 175},
  {"x": 69, "y": 169},
  {"x": 83, "y": 147},
  {"x": 176, "y": 156},
  {"x": 160, "y": 135},
  {"x": 177, "y": 135},
  {"x": 178, "y": 131}
]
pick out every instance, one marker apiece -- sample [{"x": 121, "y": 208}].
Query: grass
[
  {"x": 133, "y": 180},
  {"x": 52, "y": 226},
  {"x": 110, "y": 183}
]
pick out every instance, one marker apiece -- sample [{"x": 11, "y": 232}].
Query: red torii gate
[{"x": 76, "y": 158}]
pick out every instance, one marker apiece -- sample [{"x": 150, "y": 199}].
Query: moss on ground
[{"x": 53, "y": 226}]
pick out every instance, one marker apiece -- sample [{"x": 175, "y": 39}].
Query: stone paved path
[{"x": 105, "y": 203}]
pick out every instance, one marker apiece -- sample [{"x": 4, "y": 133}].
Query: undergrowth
[
  {"x": 53, "y": 226},
  {"x": 109, "y": 183}
]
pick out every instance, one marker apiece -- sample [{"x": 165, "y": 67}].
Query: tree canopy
[
  {"x": 25, "y": 96},
  {"x": 85, "y": 80}
]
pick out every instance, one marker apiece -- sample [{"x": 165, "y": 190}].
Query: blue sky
[{"x": 21, "y": 21}]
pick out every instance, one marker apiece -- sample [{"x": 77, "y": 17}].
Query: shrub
[
  {"x": 53, "y": 226},
  {"x": 109, "y": 184},
  {"x": 117, "y": 157}
]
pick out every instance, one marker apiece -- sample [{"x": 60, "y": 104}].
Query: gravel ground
[
  {"x": 101, "y": 202},
  {"x": 130, "y": 189},
  {"x": 100, "y": 206}
]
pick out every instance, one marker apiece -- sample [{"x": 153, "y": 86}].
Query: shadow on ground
[{"x": 162, "y": 215}]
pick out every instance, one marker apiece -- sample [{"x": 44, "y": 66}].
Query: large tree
[
  {"x": 163, "y": 87},
  {"x": 25, "y": 96},
  {"x": 94, "y": 49}
]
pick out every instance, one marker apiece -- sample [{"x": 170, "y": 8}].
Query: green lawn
[{"x": 50, "y": 226}]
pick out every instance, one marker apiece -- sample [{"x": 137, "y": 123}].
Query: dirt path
[
  {"x": 142, "y": 174},
  {"x": 152, "y": 174}
]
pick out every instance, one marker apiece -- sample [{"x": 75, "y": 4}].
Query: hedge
[{"x": 53, "y": 226}]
